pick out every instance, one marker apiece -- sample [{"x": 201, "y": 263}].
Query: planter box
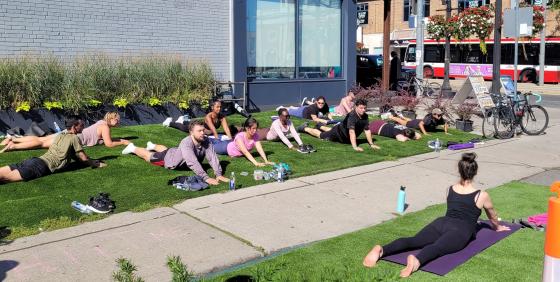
[
  {"x": 464, "y": 125},
  {"x": 409, "y": 114}
]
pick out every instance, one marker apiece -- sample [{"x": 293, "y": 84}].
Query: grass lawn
[
  {"x": 44, "y": 204},
  {"x": 519, "y": 257}
]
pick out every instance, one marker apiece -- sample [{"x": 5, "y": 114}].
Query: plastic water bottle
[
  {"x": 56, "y": 127},
  {"x": 437, "y": 145},
  {"x": 186, "y": 118},
  {"x": 232, "y": 181},
  {"x": 401, "y": 200},
  {"x": 280, "y": 177},
  {"x": 81, "y": 207}
]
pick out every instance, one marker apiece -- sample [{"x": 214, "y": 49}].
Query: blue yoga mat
[{"x": 485, "y": 237}]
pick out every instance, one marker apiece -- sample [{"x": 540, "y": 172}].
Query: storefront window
[
  {"x": 271, "y": 39},
  {"x": 320, "y": 38},
  {"x": 272, "y": 29}
]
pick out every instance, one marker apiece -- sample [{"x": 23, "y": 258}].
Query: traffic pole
[{"x": 551, "y": 271}]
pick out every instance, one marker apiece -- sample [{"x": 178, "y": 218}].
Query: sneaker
[
  {"x": 303, "y": 101},
  {"x": 101, "y": 204},
  {"x": 150, "y": 146},
  {"x": 129, "y": 149},
  {"x": 180, "y": 119},
  {"x": 303, "y": 149},
  {"x": 280, "y": 107},
  {"x": 167, "y": 122},
  {"x": 313, "y": 100},
  {"x": 301, "y": 128},
  {"x": 310, "y": 148},
  {"x": 385, "y": 116}
]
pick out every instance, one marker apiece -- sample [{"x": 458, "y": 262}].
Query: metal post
[
  {"x": 386, "y": 43},
  {"x": 446, "y": 87},
  {"x": 497, "y": 52},
  {"x": 542, "y": 48},
  {"x": 516, "y": 48},
  {"x": 419, "y": 39}
]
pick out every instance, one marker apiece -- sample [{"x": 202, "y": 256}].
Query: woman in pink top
[
  {"x": 346, "y": 105},
  {"x": 243, "y": 143},
  {"x": 98, "y": 133},
  {"x": 281, "y": 129}
]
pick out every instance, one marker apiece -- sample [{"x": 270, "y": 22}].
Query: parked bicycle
[
  {"x": 410, "y": 84},
  {"x": 512, "y": 111}
]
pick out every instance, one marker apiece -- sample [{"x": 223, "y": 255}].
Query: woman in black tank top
[{"x": 447, "y": 234}]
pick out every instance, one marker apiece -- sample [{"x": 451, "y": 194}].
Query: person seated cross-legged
[
  {"x": 390, "y": 130},
  {"x": 65, "y": 147},
  {"x": 348, "y": 130},
  {"x": 447, "y": 234},
  {"x": 191, "y": 151}
]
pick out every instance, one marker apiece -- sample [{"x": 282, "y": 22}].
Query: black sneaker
[
  {"x": 303, "y": 149},
  {"x": 310, "y": 148},
  {"x": 301, "y": 128},
  {"x": 101, "y": 203}
]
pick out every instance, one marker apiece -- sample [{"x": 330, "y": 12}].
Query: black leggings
[
  {"x": 185, "y": 128},
  {"x": 443, "y": 236}
]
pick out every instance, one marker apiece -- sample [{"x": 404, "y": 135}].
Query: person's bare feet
[
  {"x": 373, "y": 256},
  {"x": 412, "y": 264},
  {"x": 6, "y": 141},
  {"x": 8, "y": 147}
]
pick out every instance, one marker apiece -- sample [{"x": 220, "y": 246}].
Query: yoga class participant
[
  {"x": 447, "y": 234},
  {"x": 397, "y": 131},
  {"x": 346, "y": 105},
  {"x": 428, "y": 124}
]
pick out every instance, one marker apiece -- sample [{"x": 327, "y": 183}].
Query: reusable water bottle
[
  {"x": 232, "y": 181},
  {"x": 401, "y": 200},
  {"x": 437, "y": 145},
  {"x": 56, "y": 127},
  {"x": 80, "y": 207}
]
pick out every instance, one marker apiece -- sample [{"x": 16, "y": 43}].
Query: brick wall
[{"x": 192, "y": 29}]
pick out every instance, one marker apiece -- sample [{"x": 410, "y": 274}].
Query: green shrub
[{"x": 72, "y": 86}]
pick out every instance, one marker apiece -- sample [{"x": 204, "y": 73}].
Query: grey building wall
[{"x": 193, "y": 29}]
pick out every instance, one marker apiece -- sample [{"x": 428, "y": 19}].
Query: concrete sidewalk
[{"x": 220, "y": 230}]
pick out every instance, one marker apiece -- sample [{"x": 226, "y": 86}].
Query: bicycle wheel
[
  {"x": 432, "y": 90},
  {"x": 504, "y": 123},
  {"x": 534, "y": 120},
  {"x": 488, "y": 130}
]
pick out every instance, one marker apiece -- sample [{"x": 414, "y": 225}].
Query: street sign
[
  {"x": 474, "y": 86},
  {"x": 362, "y": 17},
  {"x": 525, "y": 22}
]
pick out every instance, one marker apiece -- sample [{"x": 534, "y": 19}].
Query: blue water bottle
[
  {"x": 232, "y": 181},
  {"x": 56, "y": 127},
  {"x": 401, "y": 200},
  {"x": 81, "y": 207}
]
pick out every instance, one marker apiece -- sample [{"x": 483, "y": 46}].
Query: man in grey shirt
[{"x": 190, "y": 152}]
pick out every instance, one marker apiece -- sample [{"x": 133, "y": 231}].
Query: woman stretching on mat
[
  {"x": 97, "y": 133},
  {"x": 399, "y": 132},
  {"x": 428, "y": 124},
  {"x": 447, "y": 234},
  {"x": 282, "y": 129},
  {"x": 212, "y": 121},
  {"x": 346, "y": 105},
  {"x": 243, "y": 143}
]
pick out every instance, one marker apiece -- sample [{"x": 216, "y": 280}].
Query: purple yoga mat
[
  {"x": 485, "y": 238},
  {"x": 461, "y": 146}
]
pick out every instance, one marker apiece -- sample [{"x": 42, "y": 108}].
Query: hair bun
[{"x": 468, "y": 157}]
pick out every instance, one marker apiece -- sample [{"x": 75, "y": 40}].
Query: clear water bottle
[
  {"x": 56, "y": 127},
  {"x": 280, "y": 177},
  {"x": 437, "y": 145},
  {"x": 232, "y": 181},
  {"x": 186, "y": 118},
  {"x": 80, "y": 207}
]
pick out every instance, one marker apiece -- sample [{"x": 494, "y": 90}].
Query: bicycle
[
  {"x": 513, "y": 111},
  {"x": 428, "y": 89}
]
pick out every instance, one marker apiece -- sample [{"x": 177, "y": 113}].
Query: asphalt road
[{"x": 552, "y": 101}]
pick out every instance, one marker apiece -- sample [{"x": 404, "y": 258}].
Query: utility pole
[
  {"x": 542, "y": 47},
  {"x": 420, "y": 40},
  {"x": 446, "y": 87},
  {"x": 497, "y": 54},
  {"x": 386, "y": 43}
]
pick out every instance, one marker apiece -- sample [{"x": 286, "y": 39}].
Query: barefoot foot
[
  {"x": 373, "y": 256},
  {"x": 8, "y": 147},
  {"x": 412, "y": 265}
]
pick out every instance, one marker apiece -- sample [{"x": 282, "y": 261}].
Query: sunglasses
[
  {"x": 320, "y": 103},
  {"x": 286, "y": 116},
  {"x": 437, "y": 115}
]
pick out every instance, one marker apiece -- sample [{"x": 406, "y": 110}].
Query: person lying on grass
[
  {"x": 243, "y": 143},
  {"x": 348, "y": 130},
  {"x": 317, "y": 111},
  {"x": 397, "y": 131},
  {"x": 447, "y": 234},
  {"x": 212, "y": 121},
  {"x": 346, "y": 105},
  {"x": 191, "y": 151},
  {"x": 97, "y": 133},
  {"x": 428, "y": 124},
  {"x": 282, "y": 129},
  {"x": 65, "y": 147}
]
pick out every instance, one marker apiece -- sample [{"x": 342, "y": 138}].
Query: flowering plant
[
  {"x": 23, "y": 106},
  {"x": 154, "y": 102},
  {"x": 437, "y": 27},
  {"x": 538, "y": 19},
  {"x": 120, "y": 102},
  {"x": 478, "y": 22},
  {"x": 52, "y": 105},
  {"x": 183, "y": 105}
]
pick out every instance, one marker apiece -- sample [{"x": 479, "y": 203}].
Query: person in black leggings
[{"x": 447, "y": 234}]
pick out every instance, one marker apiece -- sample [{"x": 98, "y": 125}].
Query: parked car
[{"x": 369, "y": 69}]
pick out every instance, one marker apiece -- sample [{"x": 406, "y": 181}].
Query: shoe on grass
[
  {"x": 301, "y": 128},
  {"x": 302, "y": 149},
  {"x": 167, "y": 122},
  {"x": 150, "y": 146},
  {"x": 310, "y": 148},
  {"x": 129, "y": 149}
]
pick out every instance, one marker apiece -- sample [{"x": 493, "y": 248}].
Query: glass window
[
  {"x": 409, "y": 8},
  {"x": 471, "y": 53},
  {"x": 552, "y": 54},
  {"x": 411, "y": 53},
  {"x": 506, "y": 56},
  {"x": 320, "y": 38},
  {"x": 463, "y": 4},
  {"x": 271, "y": 32},
  {"x": 433, "y": 53},
  {"x": 528, "y": 54}
]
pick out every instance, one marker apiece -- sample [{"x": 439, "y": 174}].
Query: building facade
[{"x": 283, "y": 49}]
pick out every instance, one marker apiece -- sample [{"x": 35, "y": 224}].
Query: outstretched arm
[
  {"x": 422, "y": 128},
  {"x": 226, "y": 128},
  {"x": 108, "y": 141},
  {"x": 491, "y": 213},
  {"x": 246, "y": 153},
  {"x": 261, "y": 152},
  {"x": 93, "y": 163},
  {"x": 211, "y": 126}
]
